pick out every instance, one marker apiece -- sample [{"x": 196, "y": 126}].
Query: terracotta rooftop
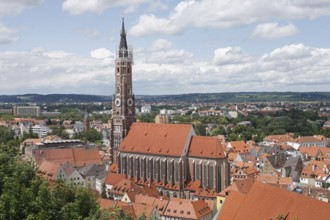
[
  {"x": 274, "y": 179},
  {"x": 158, "y": 139},
  {"x": 271, "y": 202},
  {"x": 49, "y": 170},
  {"x": 241, "y": 186},
  {"x": 281, "y": 138},
  {"x": 75, "y": 156},
  {"x": 303, "y": 139},
  {"x": 206, "y": 147},
  {"x": 314, "y": 151},
  {"x": 239, "y": 147},
  {"x": 187, "y": 209},
  {"x": 140, "y": 209},
  {"x": 124, "y": 186},
  {"x": 113, "y": 178}
]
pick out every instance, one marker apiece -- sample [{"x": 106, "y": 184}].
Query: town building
[
  {"x": 161, "y": 119},
  {"x": 26, "y": 111}
]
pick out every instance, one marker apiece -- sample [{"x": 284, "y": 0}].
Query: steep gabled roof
[
  {"x": 206, "y": 147},
  {"x": 158, "y": 139}
]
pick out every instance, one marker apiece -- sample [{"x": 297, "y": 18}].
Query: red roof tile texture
[
  {"x": 206, "y": 147},
  {"x": 267, "y": 202},
  {"x": 157, "y": 139},
  {"x": 187, "y": 209},
  {"x": 76, "y": 156}
]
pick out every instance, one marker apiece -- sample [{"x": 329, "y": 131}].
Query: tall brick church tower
[{"x": 123, "y": 102}]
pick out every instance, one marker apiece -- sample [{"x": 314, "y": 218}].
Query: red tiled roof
[
  {"x": 206, "y": 147},
  {"x": 106, "y": 203},
  {"x": 159, "y": 139},
  {"x": 187, "y": 209},
  {"x": 267, "y": 202},
  {"x": 304, "y": 139},
  {"x": 113, "y": 178},
  {"x": 140, "y": 209},
  {"x": 274, "y": 179},
  {"x": 240, "y": 147},
  {"x": 281, "y": 138},
  {"x": 310, "y": 151},
  {"x": 76, "y": 156},
  {"x": 49, "y": 170}
]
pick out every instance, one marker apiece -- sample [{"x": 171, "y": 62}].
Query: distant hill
[{"x": 183, "y": 98}]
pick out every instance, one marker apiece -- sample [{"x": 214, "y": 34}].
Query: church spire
[{"x": 123, "y": 50}]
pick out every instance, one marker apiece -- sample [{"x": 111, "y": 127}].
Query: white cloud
[
  {"x": 161, "y": 44},
  {"x": 12, "y": 7},
  {"x": 101, "y": 53},
  {"x": 294, "y": 67},
  {"x": 8, "y": 7},
  {"x": 78, "y": 7},
  {"x": 293, "y": 51},
  {"x": 172, "y": 56},
  {"x": 224, "y": 14},
  {"x": 274, "y": 30},
  {"x": 229, "y": 55},
  {"x": 7, "y": 35}
]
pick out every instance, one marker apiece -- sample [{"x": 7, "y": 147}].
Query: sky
[{"x": 193, "y": 46}]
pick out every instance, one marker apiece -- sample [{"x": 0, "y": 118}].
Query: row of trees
[
  {"x": 25, "y": 195},
  {"x": 294, "y": 121}
]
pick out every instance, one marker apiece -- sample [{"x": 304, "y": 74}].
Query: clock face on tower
[
  {"x": 129, "y": 102},
  {"x": 117, "y": 102}
]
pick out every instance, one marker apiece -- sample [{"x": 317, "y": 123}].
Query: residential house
[
  {"x": 89, "y": 174},
  {"x": 112, "y": 179},
  {"x": 273, "y": 164},
  {"x": 292, "y": 168},
  {"x": 308, "y": 141},
  {"x": 185, "y": 209},
  {"x": 313, "y": 152}
]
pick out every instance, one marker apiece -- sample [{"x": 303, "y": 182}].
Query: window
[
  {"x": 205, "y": 183},
  {"x": 147, "y": 168},
  {"x": 197, "y": 170},
  {"x": 129, "y": 166},
  {"x": 176, "y": 171},
  {"x": 169, "y": 170},
  {"x": 211, "y": 177},
  {"x": 134, "y": 166},
  {"x": 155, "y": 169},
  {"x": 161, "y": 170}
]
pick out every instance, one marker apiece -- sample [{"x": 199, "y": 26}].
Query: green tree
[{"x": 91, "y": 135}]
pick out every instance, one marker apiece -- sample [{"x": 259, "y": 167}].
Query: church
[{"x": 168, "y": 156}]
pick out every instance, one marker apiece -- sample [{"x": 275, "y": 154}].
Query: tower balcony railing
[{"x": 124, "y": 55}]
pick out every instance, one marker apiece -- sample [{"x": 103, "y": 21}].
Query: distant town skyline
[{"x": 69, "y": 46}]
